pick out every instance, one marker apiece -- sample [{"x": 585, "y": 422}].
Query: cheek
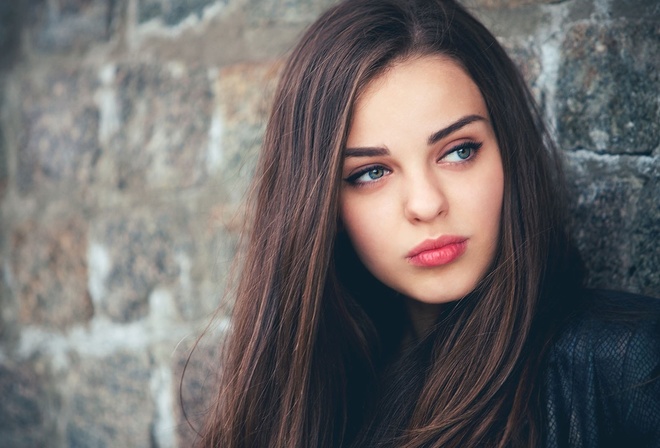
[
  {"x": 490, "y": 205},
  {"x": 485, "y": 205}
]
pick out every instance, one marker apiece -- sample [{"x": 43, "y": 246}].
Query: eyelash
[
  {"x": 353, "y": 178},
  {"x": 473, "y": 146}
]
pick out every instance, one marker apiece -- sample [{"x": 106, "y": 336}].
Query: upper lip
[{"x": 437, "y": 243}]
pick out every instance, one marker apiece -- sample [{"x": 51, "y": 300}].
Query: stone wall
[{"x": 128, "y": 132}]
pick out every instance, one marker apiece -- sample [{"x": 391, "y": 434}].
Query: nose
[{"x": 424, "y": 198}]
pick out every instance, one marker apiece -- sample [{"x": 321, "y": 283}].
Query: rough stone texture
[
  {"x": 527, "y": 57},
  {"x": 243, "y": 93},
  {"x": 10, "y": 30},
  {"x": 616, "y": 221},
  {"x": 132, "y": 254},
  {"x": 603, "y": 208},
  {"x": 3, "y": 160},
  {"x": 161, "y": 136},
  {"x": 109, "y": 404},
  {"x": 197, "y": 387},
  {"x": 291, "y": 11},
  {"x": 73, "y": 25},
  {"x": 506, "y": 4},
  {"x": 607, "y": 90},
  {"x": 583, "y": 11},
  {"x": 635, "y": 9},
  {"x": 172, "y": 12},
  {"x": 199, "y": 292},
  {"x": 5, "y": 304},
  {"x": 60, "y": 135},
  {"x": 50, "y": 272},
  {"x": 24, "y": 409},
  {"x": 645, "y": 254},
  {"x": 523, "y": 21}
]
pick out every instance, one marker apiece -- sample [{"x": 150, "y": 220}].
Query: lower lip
[{"x": 440, "y": 256}]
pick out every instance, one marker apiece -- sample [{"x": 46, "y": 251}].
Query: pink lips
[{"x": 437, "y": 252}]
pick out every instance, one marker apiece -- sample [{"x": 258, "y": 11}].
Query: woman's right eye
[{"x": 368, "y": 175}]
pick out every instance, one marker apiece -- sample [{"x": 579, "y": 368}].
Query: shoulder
[
  {"x": 607, "y": 324},
  {"x": 602, "y": 373},
  {"x": 614, "y": 331},
  {"x": 613, "y": 337}
]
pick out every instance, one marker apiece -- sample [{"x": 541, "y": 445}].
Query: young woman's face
[{"x": 423, "y": 181}]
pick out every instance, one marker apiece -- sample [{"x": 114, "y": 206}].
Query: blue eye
[
  {"x": 462, "y": 153},
  {"x": 374, "y": 173},
  {"x": 368, "y": 175}
]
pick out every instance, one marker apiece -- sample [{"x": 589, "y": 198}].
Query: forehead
[
  {"x": 424, "y": 72},
  {"x": 424, "y": 91}
]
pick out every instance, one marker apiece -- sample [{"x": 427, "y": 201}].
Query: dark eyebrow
[
  {"x": 371, "y": 151},
  {"x": 374, "y": 151},
  {"x": 442, "y": 133}
]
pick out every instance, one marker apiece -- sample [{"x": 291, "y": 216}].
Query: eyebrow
[
  {"x": 442, "y": 133},
  {"x": 372, "y": 151}
]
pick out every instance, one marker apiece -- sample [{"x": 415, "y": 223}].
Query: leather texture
[{"x": 602, "y": 375}]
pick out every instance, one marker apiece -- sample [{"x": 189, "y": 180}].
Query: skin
[{"x": 403, "y": 187}]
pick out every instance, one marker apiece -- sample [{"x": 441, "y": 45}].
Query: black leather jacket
[{"x": 602, "y": 376}]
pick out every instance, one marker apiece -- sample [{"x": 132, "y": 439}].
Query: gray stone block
[
  {"x": 172, "y": 12},
  {"x": 244, "y": 95},
  {"x": 644, "y": 269},
  {"x": 636, "y": 9},
  {"x": 11, "y": 15},
  {"x": 507, "y": 4},
  {"x": 196, "y": 370},
  {"x": 73, "y": 25},
  {"x": 24, "y": 408},
  {"x": 4, "y": 178},
  {"x": 603, "y": 222},
  {"x": 201, "y": 284},
  {"x": 607, "y": 92},
  {"x": 285, "y": 11},
  {"x": 7, "y": 307},
  {"x": 109, "y": 402},
  {"x": 524, "y": 20},
  {"x": 59, "y": 144},
  {"x": 582, "y": 10},
  {"x": 527, "y": 57},
  {"x": 133, "y": 253},
  {"x": 49, "y": 272},
  {"x": 616, "y": 221},
  {"x": 164, "y": 117}
]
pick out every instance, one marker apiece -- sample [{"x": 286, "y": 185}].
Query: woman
[{"x": 408, "y": 279}]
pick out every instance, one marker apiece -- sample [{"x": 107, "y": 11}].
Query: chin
[
  {"x": 438, "y": 299},
  {"x": 439, "y": 294}
]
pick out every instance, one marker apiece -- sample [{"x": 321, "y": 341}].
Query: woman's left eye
[{"x": 461, "y": 153}]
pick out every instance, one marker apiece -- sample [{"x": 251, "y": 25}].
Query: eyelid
[
  {"x": 359, "y": 172},
  {"x": 467, "y": 144}
]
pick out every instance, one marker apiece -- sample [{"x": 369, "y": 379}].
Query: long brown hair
[{"x": 308, "y": 361}]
